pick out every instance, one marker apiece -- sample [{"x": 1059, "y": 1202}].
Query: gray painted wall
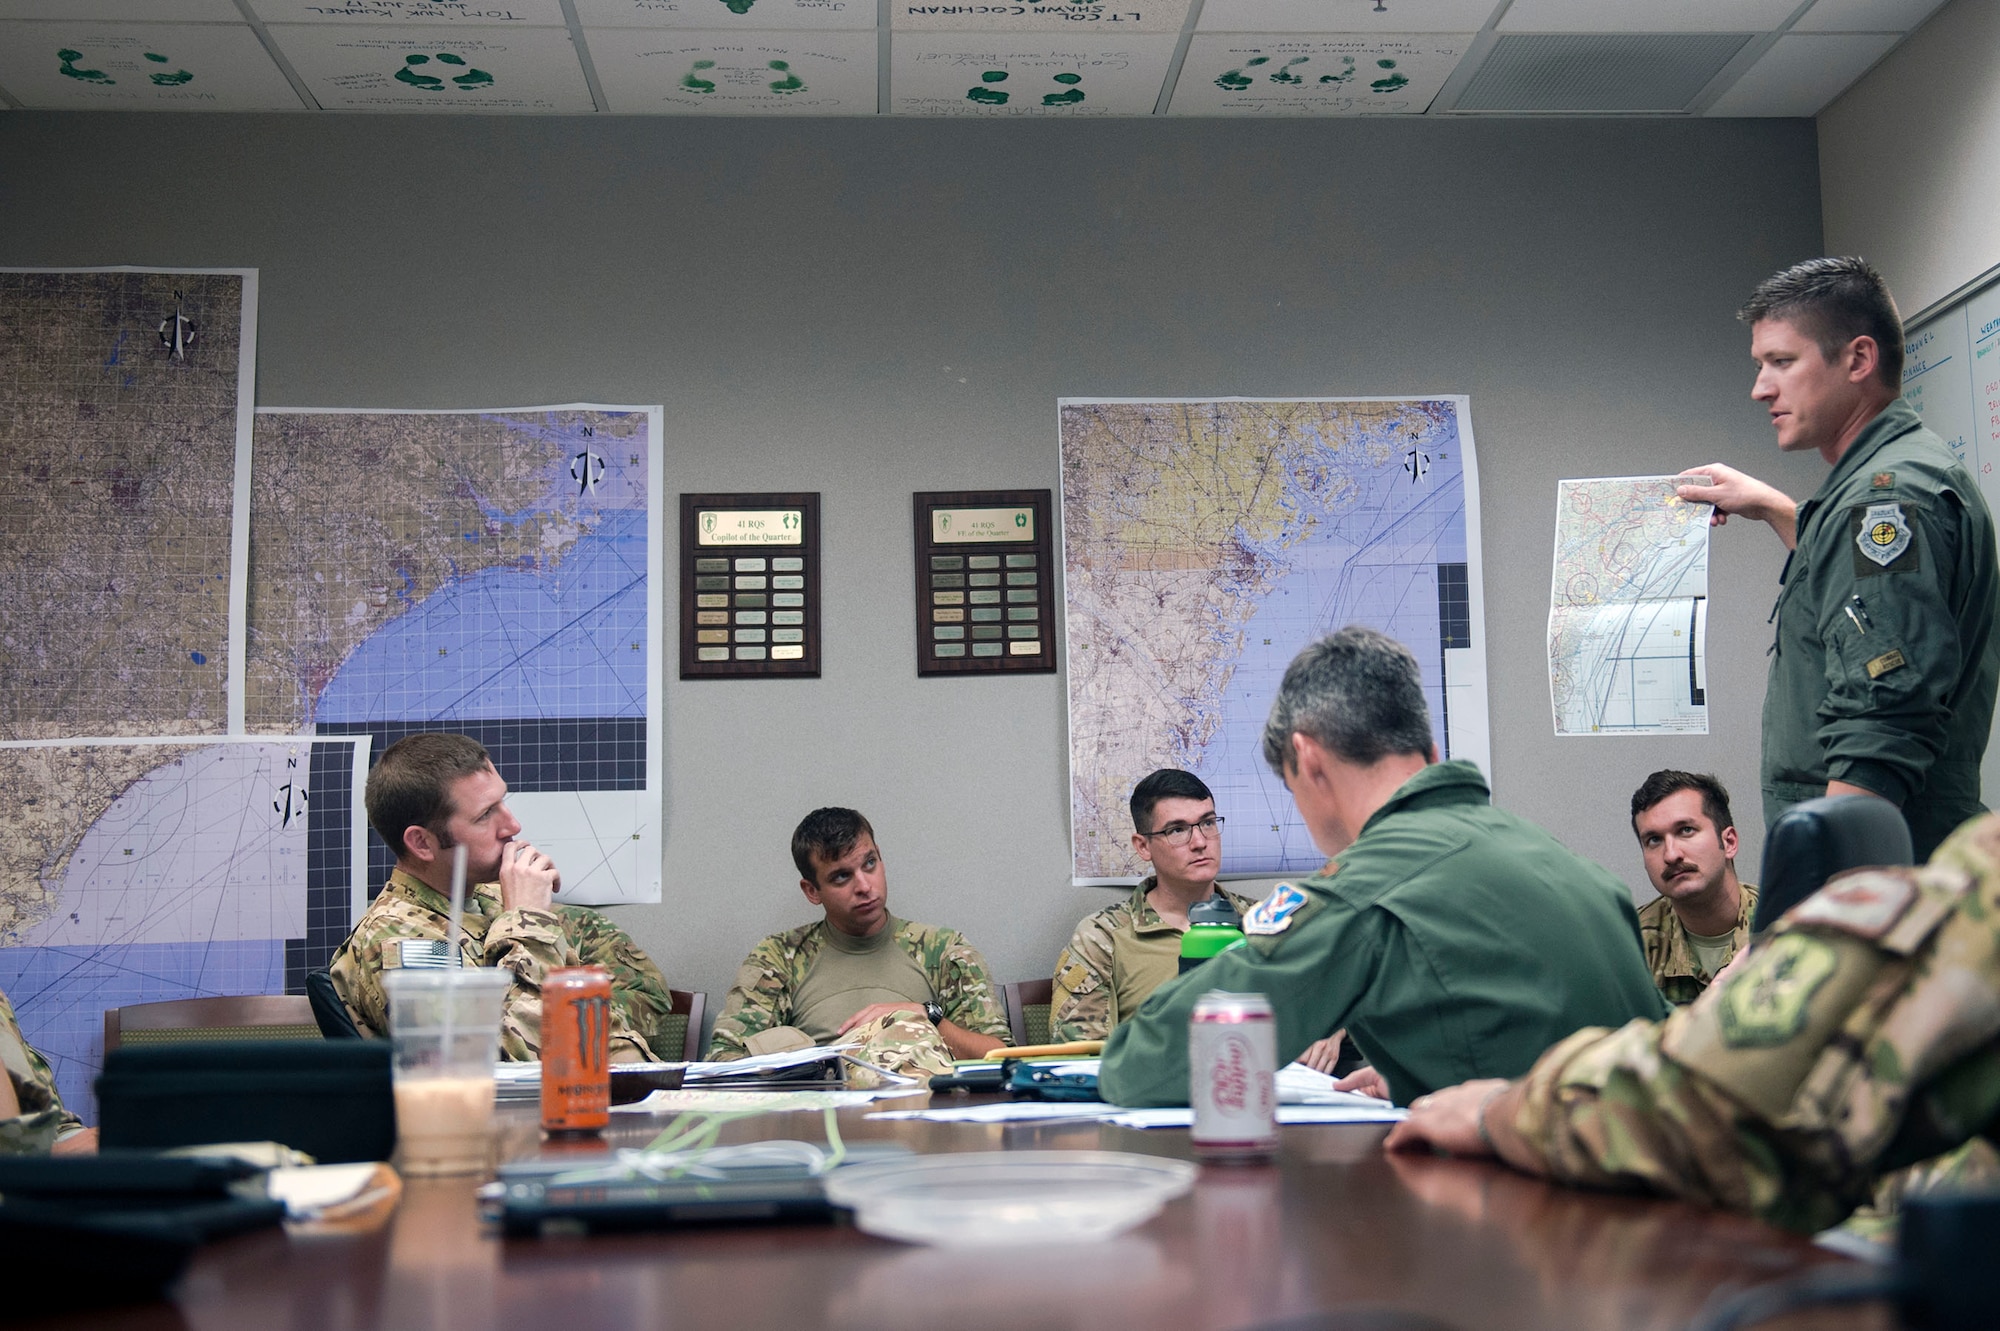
[
  {"x": 1909, "y": 155},
  {"x": 871, "y": 308}
]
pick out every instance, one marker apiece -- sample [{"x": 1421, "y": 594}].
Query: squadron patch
[
  {"x": 1866, "y": 903},
  {"x": 1766, "y": 1004},
  {"x": 1273, "y": 915},
  {"x": 1884, "y": 534}
]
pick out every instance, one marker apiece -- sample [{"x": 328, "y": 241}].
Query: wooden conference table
[{"x": 1332, "y": 1225}]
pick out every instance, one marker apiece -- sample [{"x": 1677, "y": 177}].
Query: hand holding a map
[
  {"x": 528, "y": 878},
  {"x": 1734, "y": 493}
]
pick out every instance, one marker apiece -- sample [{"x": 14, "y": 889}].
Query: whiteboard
[{"x": 1951, "y": 375}]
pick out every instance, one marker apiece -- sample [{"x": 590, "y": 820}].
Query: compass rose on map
[
  {"x": 586, "y": 469},
  {"x": 178, "y": 333},
  {"x": 1418, "y": 464}
]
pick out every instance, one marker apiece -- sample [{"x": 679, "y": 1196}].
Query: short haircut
[
  {"x": 410, "y": 785},
  {"x": 1359, "y": 693},
  {"x": 1668, "y": 781},
  {"x": 1169, "y": 783},
  {"x": 831, "y": 833},
  {"x": 1834, "y": 301}
]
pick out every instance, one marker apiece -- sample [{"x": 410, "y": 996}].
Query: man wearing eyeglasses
[
  {"x": 1120, "y": 955},
  {"x": 1445, "y": 935}
]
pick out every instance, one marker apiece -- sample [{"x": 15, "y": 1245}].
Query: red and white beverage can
[{"x": 1233, "y": 1076}]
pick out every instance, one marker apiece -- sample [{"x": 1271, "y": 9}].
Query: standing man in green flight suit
[
  {"x": 1883, "y": 672},
  {"x": 1445, "y": 934}
]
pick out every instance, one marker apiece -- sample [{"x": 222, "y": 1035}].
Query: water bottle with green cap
[{"x": 1213, "y": 926}]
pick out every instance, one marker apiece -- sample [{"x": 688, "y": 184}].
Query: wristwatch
[{"x": 934, "y": 1012}]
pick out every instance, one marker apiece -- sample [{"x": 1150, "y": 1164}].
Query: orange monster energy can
[{"x": 576, "y": 1049}]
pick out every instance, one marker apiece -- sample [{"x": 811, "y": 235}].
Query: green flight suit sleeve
[
  {"x": 1890, "y": 676},
  {"x": 1146, "y": 1056}
]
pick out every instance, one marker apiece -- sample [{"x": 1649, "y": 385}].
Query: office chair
[{"x": 1822, "y": 837}]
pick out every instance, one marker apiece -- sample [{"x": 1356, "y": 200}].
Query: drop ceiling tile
[
  {"x": 1866, "y": 15},
  {"x": 128, "y": 11},
  {"x": 429, "y": 13},
  {"x": 1314, "y": 76},
  {"x": 1097, "y": 19},
  {"x": 1020, "y": 74},
  {"x": 750, "y": 15},
  {"x": 447, "y": 70},
  {"x": 736, "y": 73},
  {"x": 140, "y": 67},
  {"x": 1801, "y": 74},
  {"x": 1646, "y": 15},
  {"x": 1346, "y": 16}
]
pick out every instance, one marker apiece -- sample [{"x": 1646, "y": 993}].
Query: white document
[
  {"x": 790, "y": 1058},
  {"x": 1379, "y": 1112},
  {"x": 1012, "y": 1111},
  {"x": 1628, "y": 609},
  {"x": 701, "y": 1101}
]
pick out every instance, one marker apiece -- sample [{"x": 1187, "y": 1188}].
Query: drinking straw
[{"x": 452, "y": 936}]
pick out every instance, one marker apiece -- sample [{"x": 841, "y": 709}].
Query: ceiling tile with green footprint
[
  {"x": 173, "y": 80},
  {"x": 1236, "y": 80},
  {"x": 989, "y": 96},
  {"x": 411, "y": 74},
  {"x": 1069, "y": 98},
  {"x": 70, "y": 71}
]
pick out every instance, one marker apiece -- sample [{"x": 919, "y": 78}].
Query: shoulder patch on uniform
[
  {"x": 1766, "y": 1004},
  {"x": 1882, "y": 533},
  {"x": 425, "y": 954},
  {"x": 1273, "y": 915},
  {"x": 1883, "y": 480},
  {"x": 1866, "y": 904},
  {"x": 1892, "y": 659}
]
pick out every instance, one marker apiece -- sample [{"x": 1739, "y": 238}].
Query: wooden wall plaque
[
  {"x": 986, "y": 581},
  {"x": 749, "y": 585}
]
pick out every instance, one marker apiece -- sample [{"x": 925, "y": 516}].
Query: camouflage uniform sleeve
[
  {"x": 964, "y": 986},
  {"x": 531, "y": 943},
  {"x": 1084, "y": 1002},
  {"x": 42, "y": 1118},
  {"x": 638, "y": 989},
  {"x": 357, "y": 965},
  {"x": 760, "y": 998},
  {"x": 1859, "y": 1038}
]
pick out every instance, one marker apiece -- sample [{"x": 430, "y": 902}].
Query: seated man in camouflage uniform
[
  {"x": 1121, "y": 954},
  {"x": 913, "y": 996},
  {"x": 32, "y": 1118},
  {"x": 426, "y": 795},
  {"x": 1860, "y": 1036},
  {"x": 1701, "y": 919}
]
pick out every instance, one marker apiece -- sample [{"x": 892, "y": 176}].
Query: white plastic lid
[{"x": 1009, "y": 1197}]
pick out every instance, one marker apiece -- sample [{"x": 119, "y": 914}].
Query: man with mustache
[{"x": 1701, "y": 919}]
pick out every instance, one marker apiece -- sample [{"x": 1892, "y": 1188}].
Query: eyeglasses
[{"x": 1177, "y": 833}]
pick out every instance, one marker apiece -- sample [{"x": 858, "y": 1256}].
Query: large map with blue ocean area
[
  {"x": 1205, "y": 543},
  {"x": 487, "y": 572}
]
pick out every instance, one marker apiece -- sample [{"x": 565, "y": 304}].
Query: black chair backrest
[
  {"x": 1815, "y": 840},
  {"x": 334, "y": 1021},
  {"x": 331, "y": 1099}
]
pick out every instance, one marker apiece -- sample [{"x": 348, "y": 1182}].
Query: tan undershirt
[
  {"x": 1711, "y": 952},
  {"x": 849, "y": 974}
]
